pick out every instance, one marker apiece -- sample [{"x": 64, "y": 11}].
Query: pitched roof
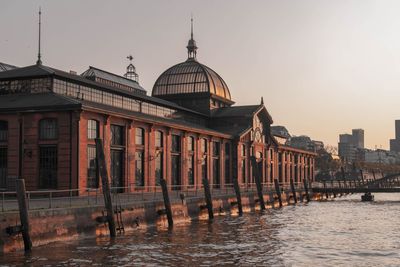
[
  {"x": 43, "y": 71},
  {"x": 42, "y": 101},
  {"x": 5, "y": 67},
  {"x": 92, "y": 71},
  {"x": 235, "y": 111}
]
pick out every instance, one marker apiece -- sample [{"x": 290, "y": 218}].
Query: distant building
[
  {"x": 395, "y": 143},
  {"x": 281, "y": 134},
  {"x": 381, "y": 156},
  {"x": 358, "y": 138},
  {"x": 350, "y": 145}
]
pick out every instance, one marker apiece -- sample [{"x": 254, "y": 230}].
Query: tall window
[
  {"x": 93, "y": 129},
  {"x": 117, "y": 135},
  {"x": 3, "y": 167},
  {"x": 139, "y": 161},
  {"x": 280, "y": 163},
  {"x": 228, "y": 179},
  {"x": 204, "y": 158},
  {"x": 243, "y": 163},
  {"x": 139, "y": 136},
  {"x": 159, "y": 156},
  {"x": 176, "y": 161},
  {"x": 48, "y": 167},
  {"x": 117, "y": 157},
  {"x": 3, "y": 131},
  {"x": 92, "y": 169},
  {"x": 216, "y": 164},
  {"x": 190, "y": 160},
  {"x": 48, "y": 129}
]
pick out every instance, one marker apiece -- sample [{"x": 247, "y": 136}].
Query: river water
[{"x": 343, "y": 232}]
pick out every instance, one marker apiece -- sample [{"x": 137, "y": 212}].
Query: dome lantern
[{"x": 192, "y": 47}]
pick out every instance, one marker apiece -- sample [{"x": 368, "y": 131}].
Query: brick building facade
[{"x": 187, "y": 130}]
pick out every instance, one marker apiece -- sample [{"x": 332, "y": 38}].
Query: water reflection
[{"x": 344, "y": 232}]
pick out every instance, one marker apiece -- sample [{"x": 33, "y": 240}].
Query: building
[
  {"x": 382, "y": 156},
  {"x": 350, "y": 144},
  {"x": 395, "y": 143},
  {"x": 358, "y": 138},
  {"x": 187, "y": 130}
]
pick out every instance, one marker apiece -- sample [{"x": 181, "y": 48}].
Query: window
[
  {"x": 204, "y": 165},
  {"x": 139, "y": 174},
  {"x": 92, "y": 170},
  {"x": 159, "y": 156},
  {"x": 48, "y": 167},
  {"x": 190, "y": 144},
  {"x": 48, "y": 129},
  {"x": 159, "y": 139},
  {"x": 93, "y": 129},
  {"x": 3, "y": 167},
  {"x": 216, "y": 149},
  {"x": 176, "y": 143},
  {"x": 117, "y": 135},
  {"x": 3, "y": 131},
  {"x": 243, "y": 170},
  {"x": 228, "y": 179},
  {"x": 139, "y": 139},
  {"x": 243, "y": 150}
]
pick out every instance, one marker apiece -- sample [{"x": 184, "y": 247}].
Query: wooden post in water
[
  {"x": 23, "y": 213},
  {"x": 373, "y": 174},
  {"x": 306, "y": 189},
  {"x": 101, "y": 164},
  {"x": 333, "y": 190},
  {"x": 326, "y": 190},
  {"x": 167, "y": 203},
  {"x": 278, "y": 192},
  {"x": 293, "y": 190},
  {"x": 257, "y": 179},
  {"x": 238, "y": 196},
  {"x": 207, "y": 194}
]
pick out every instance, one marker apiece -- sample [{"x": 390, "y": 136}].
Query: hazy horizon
[{"x": 323, "y": 67}]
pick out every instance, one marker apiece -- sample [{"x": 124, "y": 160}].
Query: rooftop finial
[
  {"x": 39, "y": 61},
  {"x": 191, "y": 47},
  {"x": 262, "y": 100},
  {"x": 131, "y": 70}
]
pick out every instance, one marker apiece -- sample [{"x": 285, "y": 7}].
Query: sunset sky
[{"x": 323, "y": 67}]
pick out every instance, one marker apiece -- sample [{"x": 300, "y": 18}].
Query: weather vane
[{"x": 130, "y": 57}]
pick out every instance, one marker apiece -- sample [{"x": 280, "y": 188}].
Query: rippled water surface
[{"x": 344, "y": 232}]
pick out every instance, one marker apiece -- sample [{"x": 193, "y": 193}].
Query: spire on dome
[
  {"x": 39, "y": 61},
  {"x": 191, "y": 47}
]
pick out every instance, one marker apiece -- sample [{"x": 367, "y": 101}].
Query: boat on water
[{"x": 367, "y": 197}]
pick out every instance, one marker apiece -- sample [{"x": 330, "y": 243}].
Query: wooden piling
[
  {"x": 101, "y": 163},
  {"x": 343, "y": 176},
  {"x": 23, "y": 213},
  {"x": 306, "y": 189},
  {"x": 207, "y": 195},
  {"x": 293, "y": 191},
  {"x": 238, "y": 196},
  {"x": 333, "y": 191},
  {"x": 278, "y": 192},
  {"x": 373, "y": 174},
  {"x": 257, "y": 179},
  {"x": 167, "y": 203},
  {"x": 326, "y": 190}
]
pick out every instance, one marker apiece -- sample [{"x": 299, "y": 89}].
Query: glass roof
[{"x": 190, "y": 77}]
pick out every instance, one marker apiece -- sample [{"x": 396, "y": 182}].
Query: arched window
[
  {"x": 3, "y": 131},
  {"x": 93, "y": 129},
  {"x": 48, "y": 129},
  {"x": 159, "y": 156}
]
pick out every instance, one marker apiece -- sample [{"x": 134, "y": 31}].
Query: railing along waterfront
[{"x": 89, "y": 197}]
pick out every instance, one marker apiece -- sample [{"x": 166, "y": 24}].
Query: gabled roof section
[
  {"x": 26, "y": 72},
  {"x": 42, "y": 101},
  {"x": 5, "y": 67},
  {"x": 240, "y": 111},
  {"x": 93, "y": 72}
]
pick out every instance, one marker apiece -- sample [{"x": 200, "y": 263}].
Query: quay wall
[{"x": 54, "y": 225}]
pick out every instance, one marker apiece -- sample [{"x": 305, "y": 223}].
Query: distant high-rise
[
  {"x": 395, "y": 143},
  {"x": 350, "y": 143},
  {"x": 358, "y": 138}
]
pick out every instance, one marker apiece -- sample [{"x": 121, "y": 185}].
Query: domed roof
[{"x": 190, "y": 77}]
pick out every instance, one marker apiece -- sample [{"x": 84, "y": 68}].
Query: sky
[{"x": 323, "y": 67}]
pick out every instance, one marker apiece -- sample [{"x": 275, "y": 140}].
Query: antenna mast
[{"x": 39, "y": 61}]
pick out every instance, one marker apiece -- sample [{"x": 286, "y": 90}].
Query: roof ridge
[{"x": 120, "y": 76}]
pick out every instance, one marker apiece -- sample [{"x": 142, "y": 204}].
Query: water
[{"x": 344, "y": 232}]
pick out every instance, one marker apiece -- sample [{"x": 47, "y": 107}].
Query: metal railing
[{"x": 93, "y": 197}]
